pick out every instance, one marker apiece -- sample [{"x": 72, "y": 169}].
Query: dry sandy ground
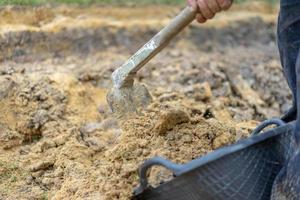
[{"x": 59, "y": 139}]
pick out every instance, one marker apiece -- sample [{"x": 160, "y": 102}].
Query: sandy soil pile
[
  {"x": 59, "y": 139},
  {"x": 62, "y": 142},
  {"x": 68, "y": 146}
]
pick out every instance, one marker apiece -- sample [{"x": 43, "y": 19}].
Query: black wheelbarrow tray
[{"x": 243, "y": 171}]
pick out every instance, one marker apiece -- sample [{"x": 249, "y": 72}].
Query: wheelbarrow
[{"x": 243, "y": 171}]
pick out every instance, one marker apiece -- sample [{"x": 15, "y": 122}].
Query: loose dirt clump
[{"x": 169, "y": 120}]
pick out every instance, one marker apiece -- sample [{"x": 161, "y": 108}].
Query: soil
[{"x": 58, "y": 137}]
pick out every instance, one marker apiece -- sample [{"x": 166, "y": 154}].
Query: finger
[
  {"x": 193, "y": 4},
  {"x": 213, "y": 5},
  {"x": 200, "y": 18},
  {"x": 229, "y": 4},
  {"x": 204, "y": 9},
  {"x": 225, "y": 4}
]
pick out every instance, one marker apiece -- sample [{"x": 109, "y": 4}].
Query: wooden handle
[{"x": 124, "y": 75}]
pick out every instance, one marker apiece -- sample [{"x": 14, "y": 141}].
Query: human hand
[{"x": 207, "y": 9}]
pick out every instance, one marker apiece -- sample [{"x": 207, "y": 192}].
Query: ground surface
[{"x": 58, "y": 138}]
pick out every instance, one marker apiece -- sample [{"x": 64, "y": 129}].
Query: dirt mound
[
  {"x": 171, "y": 131},
  {"x": 64, "y": 145}
]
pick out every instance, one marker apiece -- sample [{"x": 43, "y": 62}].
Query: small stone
[{"x": 203, "y": 92}]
